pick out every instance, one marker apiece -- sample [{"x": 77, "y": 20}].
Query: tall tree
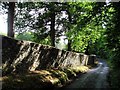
[
  {"x": 52, "y": 25},
  {"x": 82, "y": 15},
  {"x": 69, "y": 27},
  {"x": 11, "y": 18},
  {"x": 43, "y": 19}
]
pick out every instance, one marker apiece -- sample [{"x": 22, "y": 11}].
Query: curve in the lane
[{"x": 95, "y": 78}]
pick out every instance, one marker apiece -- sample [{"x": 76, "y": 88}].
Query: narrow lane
[{"x": 95, "y": 78}]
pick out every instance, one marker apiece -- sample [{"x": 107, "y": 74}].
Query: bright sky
[{"x": 3, "y": 24}]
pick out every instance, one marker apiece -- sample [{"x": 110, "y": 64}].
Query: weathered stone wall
[{"x": 21, "y": 56}]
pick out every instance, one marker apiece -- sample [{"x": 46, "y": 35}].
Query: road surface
[{"x": 95, "y": 78}]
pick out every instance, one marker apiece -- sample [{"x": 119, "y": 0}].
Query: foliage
[
  {"x": 84, "y": 30},
  {"x": 25, "y": 36},
  {"x": 113, "y": 38},
  {"x": 71, "y": 19},
  {"x": 1, "y": 33},
  {"x": 38, "y": 17},
  {"x": 91, "y": 27},
  {"x": 45, "y": 41}
]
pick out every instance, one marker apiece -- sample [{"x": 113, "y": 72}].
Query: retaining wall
[{"x": 22, "y": 56}]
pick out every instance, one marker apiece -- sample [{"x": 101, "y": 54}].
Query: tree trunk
[
  {"x": 69, "y": 45},
  {"x": 11, "y": 19},
  {"x": 52, "y": 26},
  {"x": 87, "y": 49},
  {"x": 70, "y": 20}
]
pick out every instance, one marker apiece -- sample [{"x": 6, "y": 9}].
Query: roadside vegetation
[
  {"x": 83, "y": 27},
  {"x": 50, "y": 78}
]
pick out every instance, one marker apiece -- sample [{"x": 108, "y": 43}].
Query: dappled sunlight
[
  {"x": 42, "y": 72},
  {"x": 40, "y": 65},
  {"x": 53, "y": 77},
  {"x": 53, "y": 80},
  {"x": 49, "y": 44},
  {"x": 82, "y": 69}
]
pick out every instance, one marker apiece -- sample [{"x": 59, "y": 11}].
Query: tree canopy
[{"x": 87, "y": 27}]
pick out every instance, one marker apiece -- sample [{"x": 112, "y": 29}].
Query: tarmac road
[{"x": 95, "y": 79}]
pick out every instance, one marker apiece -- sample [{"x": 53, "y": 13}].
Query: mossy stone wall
[{"x": 22, "y": 56}]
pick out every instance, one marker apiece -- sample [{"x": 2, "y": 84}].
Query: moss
[
  {"x": 41, "y": 72},
  {"x": 24, "y": 81},
  {"x": 29, "y": 81},
  {"x": 80, "y": 69},
  {"x": 62, "y": 76},
  {"x": 70, "y": 73},
  {"x": 37, "y": 79},
  {"x": 42, "y": 78}
]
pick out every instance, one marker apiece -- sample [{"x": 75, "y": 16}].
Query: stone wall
[{"x": 22, "y": 56}]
